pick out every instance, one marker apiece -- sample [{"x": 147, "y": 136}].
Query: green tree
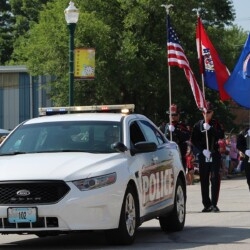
[
  {"x": 6, "y": 32},
  {"x": 26, "y": 13},
  {"x": 16, "y": 18},
  {"x": 131, "y": 58}
]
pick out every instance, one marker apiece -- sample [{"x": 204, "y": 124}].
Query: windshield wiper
[
  {"x": 60, "y": 150},
  {"x": 13, "y": 153}
]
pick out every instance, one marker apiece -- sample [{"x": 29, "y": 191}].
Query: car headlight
[{"x": 95, "y": 182}]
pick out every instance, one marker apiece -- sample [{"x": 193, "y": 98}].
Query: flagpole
[
  {"x": 167, "y": 7},
  {"x": 201, "y": 64},
  {"x": 170, "y": 99}
]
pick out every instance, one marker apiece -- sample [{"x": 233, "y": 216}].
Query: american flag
[{"x": 177, "y": 57}]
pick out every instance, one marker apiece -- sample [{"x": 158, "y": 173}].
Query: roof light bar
[{"x": 81, "y": 109}]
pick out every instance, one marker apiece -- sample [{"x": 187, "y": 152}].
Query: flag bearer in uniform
[
  {"x": 243, "y": 145},
  {"x": 178, "y": 131},
  {"x": 205, "y": 136}
]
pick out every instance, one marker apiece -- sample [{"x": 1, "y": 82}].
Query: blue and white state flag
[{"x": 238, "y": 84}]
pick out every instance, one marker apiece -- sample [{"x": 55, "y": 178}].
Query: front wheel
[
  {"x": 176, "y": 219},
  {"x": 125, "y": 234}
]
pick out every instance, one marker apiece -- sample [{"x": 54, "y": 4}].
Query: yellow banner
[{"x": 85, "y": 63}]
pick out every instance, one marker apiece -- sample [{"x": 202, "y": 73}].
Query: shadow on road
[{"x": 147, "y": 238}]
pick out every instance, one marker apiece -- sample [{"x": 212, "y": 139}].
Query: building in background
[{"x": 20, "y": 95}]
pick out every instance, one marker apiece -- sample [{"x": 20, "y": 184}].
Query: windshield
[{"x": 93, "y": 137}]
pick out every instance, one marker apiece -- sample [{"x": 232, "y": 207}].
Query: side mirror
[{"x": 144, "y": 147}]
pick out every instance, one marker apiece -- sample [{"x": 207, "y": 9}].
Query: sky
[{"x": 242, "y": 9}]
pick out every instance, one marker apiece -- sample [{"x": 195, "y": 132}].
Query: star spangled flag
[
  {"x": 177, "y": 57},
  {"x": 238, "y": 84},
  {"x": 214, "y": 71}
]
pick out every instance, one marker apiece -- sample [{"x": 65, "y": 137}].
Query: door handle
[{"x": 155, "y": 159}]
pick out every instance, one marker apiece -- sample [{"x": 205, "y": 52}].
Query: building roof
[{"x": 13, "y": 69}]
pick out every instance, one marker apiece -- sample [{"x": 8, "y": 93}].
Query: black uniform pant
[
  {"x": 210, "y": 174},
  {"x": 247, "y": 169}
]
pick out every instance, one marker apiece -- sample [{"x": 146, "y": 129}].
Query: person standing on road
[
  {"x": 178, "y": 131},
  {"x": 205, "y": 136},
  {"x": 223, "y": 153},
  {"x": 234, "y": 155},
  {"x": 243, "y": 145},
  {"x": 190, "y": 160}
]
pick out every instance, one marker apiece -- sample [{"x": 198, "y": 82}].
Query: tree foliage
[
  {"x": 26, "y": 13},
  {"x": 130, "y": 42},
  {"x": 6, "y": 31}
]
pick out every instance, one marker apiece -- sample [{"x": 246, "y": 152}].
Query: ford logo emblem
[{"x": 23, "y": 192}]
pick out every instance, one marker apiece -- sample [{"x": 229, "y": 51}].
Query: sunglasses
[{"x": 174, "y": 114}]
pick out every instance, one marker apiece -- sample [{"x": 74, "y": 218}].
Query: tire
[
  {"x": 175, "y": 220},
  {"x": 125, "y": 234}
]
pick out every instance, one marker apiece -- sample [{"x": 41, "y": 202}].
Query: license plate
[{"x": 22, "y": 214}]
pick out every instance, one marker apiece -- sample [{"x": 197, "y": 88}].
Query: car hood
[{"x": 60, "y": 166}]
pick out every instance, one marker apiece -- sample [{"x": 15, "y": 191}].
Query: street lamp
[{"x": 71, "y": 16}]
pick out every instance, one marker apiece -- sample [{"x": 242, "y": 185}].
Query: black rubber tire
[
  {"x": 175, "y": 220},
  {"x": 125, "y": 234}
]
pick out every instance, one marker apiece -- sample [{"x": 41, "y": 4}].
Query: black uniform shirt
[
  {"x": 242, "y": 142},
  {"x": 198, "y": 137},
  {"x": 180, "y": 135}
]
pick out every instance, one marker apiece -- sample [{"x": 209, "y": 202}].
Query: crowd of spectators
[{"x": 231, "y": 157}]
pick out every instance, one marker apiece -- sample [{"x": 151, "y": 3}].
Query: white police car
[{"x": 90, "y": 171}]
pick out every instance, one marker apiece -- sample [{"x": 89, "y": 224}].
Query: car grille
[
  {"x": 42, "y": 222},
  {"x": 34, "y": 192}
]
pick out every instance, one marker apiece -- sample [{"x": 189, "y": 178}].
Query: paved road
[{"x": 229, "y": 229}]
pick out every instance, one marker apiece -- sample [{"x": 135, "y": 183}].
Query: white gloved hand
[
  {"x": 206, "y": 153},
  {"x": 171, "y": 128},
  {"x": 247, "y": 152},
  {"x": 248, "y": 132},
  {"x": 206, "y": 126}
]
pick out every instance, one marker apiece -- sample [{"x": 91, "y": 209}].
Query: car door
[
  {"x": 158, "y": 178},
  {"x": 156, "y": 175}
]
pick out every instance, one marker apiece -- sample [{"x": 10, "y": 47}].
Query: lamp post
[{"x": 71, "y": 16}]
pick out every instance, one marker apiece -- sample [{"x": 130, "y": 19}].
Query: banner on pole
[{"x": 84, "y": 64}]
